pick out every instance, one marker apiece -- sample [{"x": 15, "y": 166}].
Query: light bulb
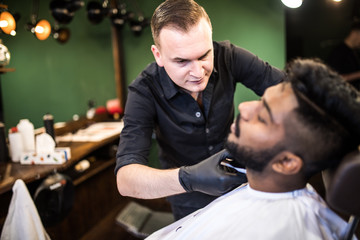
[
  {"x": 39, "y": 29},
  {"x": 292, "y": 3},
  {"x": 3, "y": 23}
]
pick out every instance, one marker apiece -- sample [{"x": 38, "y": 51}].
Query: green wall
[
  {"x": 60, "y": 79},
  {"x": 53, "y": 77},
  {"x": 258, "y": 26}
]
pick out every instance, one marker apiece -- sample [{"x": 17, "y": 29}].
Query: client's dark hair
[{"x": 328, "y": 115}]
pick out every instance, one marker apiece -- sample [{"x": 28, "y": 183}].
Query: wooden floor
[{"x": 108, "y": 228}]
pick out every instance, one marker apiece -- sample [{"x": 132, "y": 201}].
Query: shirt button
[
  {"x": 207, "y": 130},
  {"x": 198, "y": 114},
  {"x": 211, "y": 148}
]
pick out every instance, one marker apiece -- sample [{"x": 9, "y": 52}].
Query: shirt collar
[{"x": 170, "y": 88}]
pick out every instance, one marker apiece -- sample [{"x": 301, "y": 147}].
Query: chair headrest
[{"x": 343, "y": 187}]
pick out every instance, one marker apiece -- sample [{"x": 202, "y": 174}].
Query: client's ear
[{"x": 287, "y": 163}]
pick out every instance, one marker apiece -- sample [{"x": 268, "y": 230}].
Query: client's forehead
[{"x": 281, "y": 100}]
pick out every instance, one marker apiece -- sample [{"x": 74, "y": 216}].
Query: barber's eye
[
  {"x": 203, "y": 58},
  {"x": 182, "y": 61},
  {"x": 261, "y": 119}
]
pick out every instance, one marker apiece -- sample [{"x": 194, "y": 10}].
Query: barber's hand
[{"x": 209, "y": 177}]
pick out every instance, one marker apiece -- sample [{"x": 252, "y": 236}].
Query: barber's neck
[{"x": 196, "y": 95}]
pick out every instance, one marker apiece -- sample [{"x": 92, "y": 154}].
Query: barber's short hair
[
  {"x": 180, "y": 14},
  {"x": 329, "y": 110}
]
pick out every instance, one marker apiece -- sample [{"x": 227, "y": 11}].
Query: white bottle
[
  {"x": 16, "y": 144},
  {"x": 26, "y": 129}
]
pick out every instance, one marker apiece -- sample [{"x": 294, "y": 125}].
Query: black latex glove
[{"x": 209, "y": 177}]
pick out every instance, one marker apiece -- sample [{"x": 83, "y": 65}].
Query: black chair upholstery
[{"x": 343, "y": 190}]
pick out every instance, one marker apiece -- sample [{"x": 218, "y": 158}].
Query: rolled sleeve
[{"x": 135, "y": 138}]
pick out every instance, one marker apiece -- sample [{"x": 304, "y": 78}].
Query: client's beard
[{"x": 248, "y": 157}]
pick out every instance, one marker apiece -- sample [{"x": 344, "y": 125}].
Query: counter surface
[{"x": 10, "y": 172}]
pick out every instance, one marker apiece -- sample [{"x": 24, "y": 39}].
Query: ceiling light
[
  {"x": 292, "y": 3},
  {"x": 95, "y": 12},
  {"x": 41, "y": 29},
  {"x": 64, "y": 11},
  {"x": 121, "y": 17},
  {"x": 7, "y": 23},
  {"x": 137, "y": 25},
  {"x": 62, "y": 35}
]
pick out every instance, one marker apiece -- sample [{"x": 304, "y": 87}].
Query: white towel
[{"x": 23, "y": 221}]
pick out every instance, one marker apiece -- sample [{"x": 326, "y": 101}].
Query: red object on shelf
[
  {"x": 13, "y": 130},
  {"x": 113, "y": 106},
  {"x": 100, "y": 110}
]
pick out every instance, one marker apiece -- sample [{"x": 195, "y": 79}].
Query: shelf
[
  {"x": 5, "y": 70},
  {"x": 10, "y": 171}
]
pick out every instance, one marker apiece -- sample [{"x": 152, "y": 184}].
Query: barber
[{"x": 186, "y": 97}]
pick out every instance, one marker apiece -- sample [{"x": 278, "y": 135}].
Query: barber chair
[
  {"x": 141, "y": 221},
  {"x": 342, "y": 190}
]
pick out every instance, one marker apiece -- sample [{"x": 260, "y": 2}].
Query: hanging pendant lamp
[
  {"x": 42, "y": 29},
  {"x": 7, "y": 23}
]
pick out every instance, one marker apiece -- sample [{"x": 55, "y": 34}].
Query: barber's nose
[
  {"x": 247, "y": 109},
  {"x": 197, "y": 69}
]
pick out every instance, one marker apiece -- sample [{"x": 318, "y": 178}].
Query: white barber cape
[{"x": 245, "y": 213}]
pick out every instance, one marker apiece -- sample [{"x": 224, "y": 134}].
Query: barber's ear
[
  {"x": 157, "y": 55},
  {"x": 287, "y": 163}
]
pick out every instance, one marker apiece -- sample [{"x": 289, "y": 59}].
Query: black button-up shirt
[{"x": 185, "y": 132}]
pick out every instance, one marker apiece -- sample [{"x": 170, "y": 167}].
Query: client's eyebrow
[{"x": 268, "y": 109}]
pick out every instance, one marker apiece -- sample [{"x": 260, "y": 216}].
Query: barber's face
[
  {"x": 258, "y": 133},
  {"x": 187, "y": 57}
]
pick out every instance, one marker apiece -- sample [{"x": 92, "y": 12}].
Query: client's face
[{"x": 258, "y": 133}]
